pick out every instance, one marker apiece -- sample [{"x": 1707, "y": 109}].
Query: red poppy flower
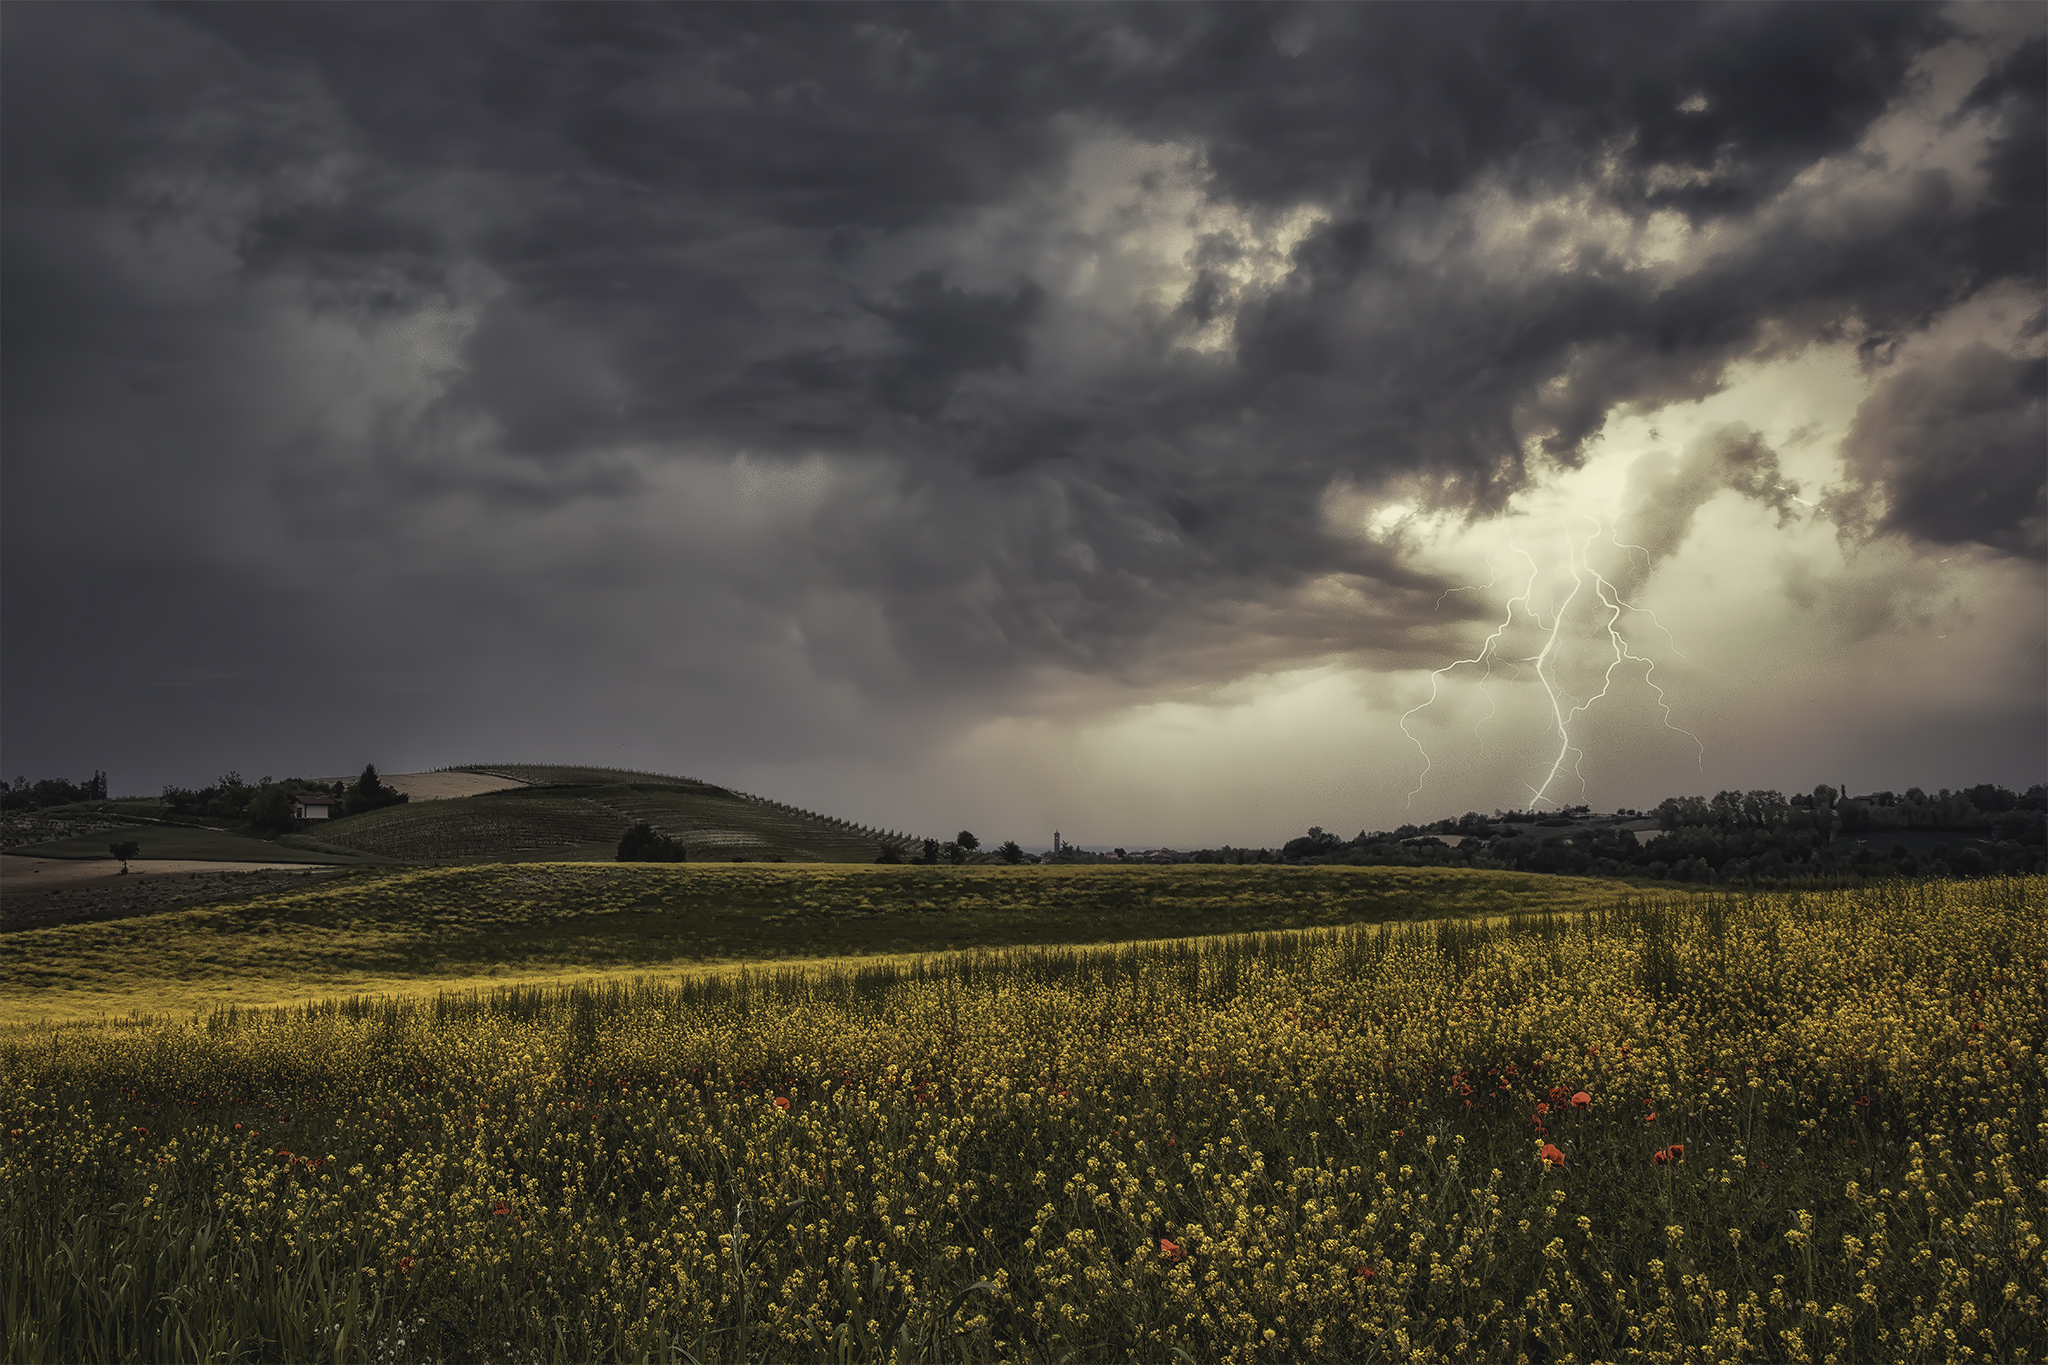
[
  {"x": 782, "y": 1102},
  {"x": 1662, "y": 1158},
  {"x": 500, "y": 1211},
  {"x": 1364, "y": 1272},
  {"x": 1172, "y": 1250},
  {"x": 1677, "y": 1150},
  {"x": 1542, "y": 1108},
  {"x": 1582, "y": 1101},
  {"x": 1551, "y": 1154},
  {"x": 142, "y": 1132},
  {"x": 285, "y": 1153},
  {"x": 1863, "y": 1101},
  {"x": 405, "y": 1263},
  {"x": 1649, "y": 1118}
]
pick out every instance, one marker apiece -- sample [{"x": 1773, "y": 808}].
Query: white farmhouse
[{"x": 312, "y": 806}]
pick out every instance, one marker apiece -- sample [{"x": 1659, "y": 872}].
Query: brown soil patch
[{"x": 440, "y": 786}]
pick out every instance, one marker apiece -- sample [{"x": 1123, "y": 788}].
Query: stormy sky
[{"x": 1117, "y": 419}]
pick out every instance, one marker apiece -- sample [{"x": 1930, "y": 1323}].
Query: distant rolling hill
[{"x": 573, "y": 813}]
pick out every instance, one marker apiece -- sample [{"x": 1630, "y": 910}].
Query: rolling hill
[{"x": 578, "y": 813}]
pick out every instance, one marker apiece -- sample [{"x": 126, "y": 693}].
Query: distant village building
[{"x": 312, "y": 806}]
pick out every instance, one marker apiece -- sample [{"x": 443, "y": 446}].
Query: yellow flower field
[{"x": 1717, "y": 1128}]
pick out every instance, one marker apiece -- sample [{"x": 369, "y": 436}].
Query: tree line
[
  {"x": 264, "y": 805},
  {"x": 1753, "y": 836},
  {"x": 267, "y": 804},
  {"x": 52, "y": 791}
]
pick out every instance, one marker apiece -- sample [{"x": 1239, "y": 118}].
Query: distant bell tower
[{"x": 1055, "y": 841}]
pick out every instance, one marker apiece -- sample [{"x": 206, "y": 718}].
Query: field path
[{"x": 23, "y": 876}]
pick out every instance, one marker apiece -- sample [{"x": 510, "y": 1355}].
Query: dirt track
[{"x": 36, "y": 892}]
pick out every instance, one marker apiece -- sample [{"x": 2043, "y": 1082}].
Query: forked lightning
[{"x": 1565, "y": 709}]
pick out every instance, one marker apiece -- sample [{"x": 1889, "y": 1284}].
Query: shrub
[{"x": 641, "y": 844}]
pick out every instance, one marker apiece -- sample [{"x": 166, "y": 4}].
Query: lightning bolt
[
  {"x": 1649, "y": 562},
  {"x": 1565, "y": 709},
  {"x": 1483, "y": 656},
  {"x": 1543, "y": 656},
  {"x": 1608, "y": 594}
]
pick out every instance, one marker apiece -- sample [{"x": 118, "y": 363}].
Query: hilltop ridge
[
  {"x": 524, "y": 812},
  {"x": 578, "y": 812}
]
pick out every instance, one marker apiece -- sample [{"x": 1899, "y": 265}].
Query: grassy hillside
[
  {"x": 440, "y": 927},
  {"x": 579, "y": 813},
  {"x": 184, "y": 841},
  {"x": 572, "y": 774}
]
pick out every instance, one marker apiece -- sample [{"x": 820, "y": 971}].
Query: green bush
[{"x": 641, "y": 844}]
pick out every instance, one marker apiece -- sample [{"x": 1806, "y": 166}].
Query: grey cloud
[
  {"x": 2015, "y": 93},
  {"x": 943, "y": 332},
  {"x": 1406, "y": 98},
  {"x": 1952, "y": 452},
  {"x": 1665, "y": 493},
  {"x": 664, "y": 223}
]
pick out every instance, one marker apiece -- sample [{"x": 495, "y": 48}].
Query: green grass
[
  {"x": 184, "y": 841},
  {"x": 435, "y": 928}
]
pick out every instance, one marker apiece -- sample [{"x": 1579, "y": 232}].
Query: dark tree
[
  {"x": 57, "y": 791},
  {"x": 270, "y": 810},
  {"x": 125, "y": 850},
  {"x": 370, "y": 793},
  {"x": 931, "y": 852},
  {"x": 1315, "y": 844},
  {"x": 967, "y": 840},
  {"x": 890, "y": 854},
  {"x": 1010, "y": 852},
  {"x": 641, "y": 844}
]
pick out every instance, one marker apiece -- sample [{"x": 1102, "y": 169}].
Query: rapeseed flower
[{"x": 990, "y": 1149}]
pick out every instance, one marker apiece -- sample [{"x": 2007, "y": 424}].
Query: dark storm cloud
[
  {"x": 943, "y": 333},
  {"x": 1400, "y": 98},
  {"x": 1956, "y": 446},
  {"x": 2016, "y": 94},
  {"x": 663, "y": 237}
]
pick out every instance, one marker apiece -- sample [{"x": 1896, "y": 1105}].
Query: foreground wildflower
[{"x": 978, "y": 1160}]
